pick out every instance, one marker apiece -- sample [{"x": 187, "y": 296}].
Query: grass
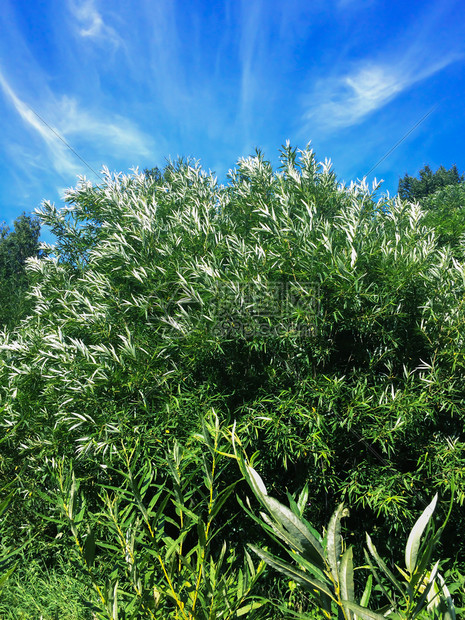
[{"x": 37, "y": 592}]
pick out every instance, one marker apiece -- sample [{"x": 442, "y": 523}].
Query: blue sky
[{"x": 130, "y": 83}]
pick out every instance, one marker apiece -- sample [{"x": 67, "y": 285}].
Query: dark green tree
[
  {"x": 15, "y": 247},
  {"x": 441, "y": 194},
  {"x": 414, "y": 189},
  {"x": 154, "y": 173},
  {"x": 445, "y": 213}
]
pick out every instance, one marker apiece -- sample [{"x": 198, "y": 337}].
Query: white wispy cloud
[
  {"x": 164, "y": 67},
  {"x": 90, "y": 23},
  {"x": 57, "y": 151},
  {"x": 345, "y": 100},
  {"x": 112, "y": 132},
  {"x": 106, "y": 138},
  {"x": 250, "y": 51}
]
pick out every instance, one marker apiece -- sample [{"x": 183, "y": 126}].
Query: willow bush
[
  {"x": 152, "y": 547},
  {"x": 326, "y": 320},
  {"x": 323, "y": 566}
]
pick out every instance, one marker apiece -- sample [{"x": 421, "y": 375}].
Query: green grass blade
[
  {"x": 6, "y": 575},
  {"x": 5, "y": 503}
]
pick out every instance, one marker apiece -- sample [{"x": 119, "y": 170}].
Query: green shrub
[
  {"x": 323, "y": 565},
  {"x": 325, "y": 319},
  {"x": 155, "y": 549}
]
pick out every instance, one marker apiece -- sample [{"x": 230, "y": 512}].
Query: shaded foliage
[
  {"x": 445, "y": 213},
  {"x": 16, "y": 246}
]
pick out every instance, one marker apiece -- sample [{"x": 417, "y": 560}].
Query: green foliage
[
  {"x": 16, "y": 247},
  {"x": 325, "y": 565},
  {"x": 40, "y": 592},
  {"x": 152, "y": 548},
  {"x": 428, "y": 183},
  {"x": 10, "y": 551},
  {"x": 6, "y": 553},
  {"x": 445, "y": 213},
  {"x": 327, "y": 321},
  {"x": 155, "y": 173},
  {"x": 442, "y": 196}
]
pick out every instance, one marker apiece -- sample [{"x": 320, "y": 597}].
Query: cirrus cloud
[{"x": 344, "y": 100}]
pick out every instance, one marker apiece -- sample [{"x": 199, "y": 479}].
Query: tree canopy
[
  {"x": 415, "y": 189},
  {"x": 442, "y": 197},
  {"x": 16, "y": 246}
]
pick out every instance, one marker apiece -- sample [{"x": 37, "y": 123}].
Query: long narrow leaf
[
  {"x": 413, "y": 542},
  {"x": 383, "y": 566},
  {"x": 302, "y": 539},
  {"x": 374, "y": 572},
  {"x": 293, "y": 573},
  {"x": 5, "y": 503},
  {"x": 449, "y": 613},
  {"x": 428, "y": 587},
  {"x": 5, "y": 576},
  {"x": 333, "y": 544},
  {"x": 248, "y": 608},
  {"x": 363, "y": 612},
  {"x": 346, "y": 576},
  {"x": 367, "y": 592},
  {"x": 290, "y": 529},
  {"x": 303, "y": 498},
  {"x": 286, "y": 543}
]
